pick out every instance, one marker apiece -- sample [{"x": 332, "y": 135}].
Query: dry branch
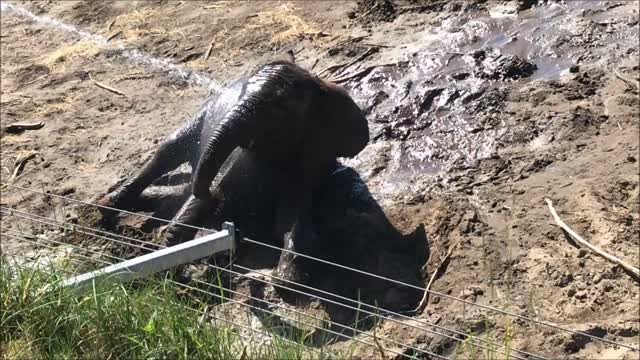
[
  {"x": 114, "y": 35},
  {"x": 334, "y": 68},
  {"x": 208, "y": 53},
  {"x": 425, "y": 298},
  {"x": 20, "y": 127},
  {"x": 630, "y": 84},
  {"x": 364, "y": 72},
  {"x": 578, "y": 238},
  {"x": 378, "y": 345},
  {"x": 109, "y": 88},
  {"x": 20, "y": 164}
]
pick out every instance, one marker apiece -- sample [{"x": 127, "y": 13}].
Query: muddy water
[{"x": 438, "y": 108}]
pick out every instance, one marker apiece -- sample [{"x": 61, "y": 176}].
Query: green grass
[{"x": 115, "y": 322}]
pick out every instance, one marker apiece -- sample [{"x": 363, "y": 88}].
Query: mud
[{"x": 478, "y": 111}]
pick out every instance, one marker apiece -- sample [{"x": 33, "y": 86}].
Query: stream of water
[{"x": 134, "y": 55}]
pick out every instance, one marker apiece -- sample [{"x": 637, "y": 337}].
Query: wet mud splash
[{"x": 440, "y": 104}]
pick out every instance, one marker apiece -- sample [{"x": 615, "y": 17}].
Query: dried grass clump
[
  {"x": 135, "y": 24},
  {"x": 283, "y": 24},
  {"x": 70, "y": 53}
]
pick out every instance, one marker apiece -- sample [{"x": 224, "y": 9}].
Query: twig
[
  {"x": 114, "y": 35},
  {"x": 315, "y": 62},
  {"x": 378, "y": 345},
  {"x": 20, "y": 163},
  {"x": 110, "y": 89},
  {"x": 333, "y": 69},
  {"x": 111, "y": 24},
  {"x": 425, "y": 298},
  {"x": 16, "y": 128},
  {"x": 107, "y": 87},
  {"x": 137, "y": 76},
  {"x": 576, "y": 237},
  {"x": 204, "y": 314},
  {"x": 208, "y": 52},
  {"x": 627, "y": 82},
  {"x": 368, "y": 11},
  {"x": 362, "y": 73}
]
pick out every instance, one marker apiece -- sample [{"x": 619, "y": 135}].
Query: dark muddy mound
[{"x": 375, "y": 10}]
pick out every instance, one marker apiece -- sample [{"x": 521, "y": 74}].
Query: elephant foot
[
  {"x": 192, "y": 213},
  {"x": 177, "y": 234},
  {"x": 109, "y": 205}
]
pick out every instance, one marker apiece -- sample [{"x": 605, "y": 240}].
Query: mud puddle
[{"x": 436, "y": 108}]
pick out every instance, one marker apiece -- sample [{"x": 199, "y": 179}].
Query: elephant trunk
[{"x": 230, "y": 133}]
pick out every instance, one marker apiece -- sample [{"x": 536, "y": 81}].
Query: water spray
[{"x": 135, "y": 55}]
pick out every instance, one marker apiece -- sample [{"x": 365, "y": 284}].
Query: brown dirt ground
[{"x": 510, "y": 254}]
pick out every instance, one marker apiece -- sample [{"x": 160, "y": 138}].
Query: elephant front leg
[
  {"x": 299, "y": 238},
  {"x": 193, "y": 213}
]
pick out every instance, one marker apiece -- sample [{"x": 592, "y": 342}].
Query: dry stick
[
  {"x": 107, "y": 87},
  {"x": 378, "y": 345},
  {"x": 577, "y": 237},
  {"x": 20, "y": 163},
  {"x": 332, "y": 69},
  {"x": 114, "y": 35},
  {"x": 110, "y": 24},
  {"x": 362, "y": 73},
  {"x": 425, "y": 298},
  {"x": 627, "y": 82},
  {"x": 19, "y": 127},
  {"x": 208, "y": 53}
]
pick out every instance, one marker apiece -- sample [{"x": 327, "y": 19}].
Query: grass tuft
[
  {"x": 69, "y": 53},
  {"x": 115, "y": 321},
  {"x": 284, "y": 24}
]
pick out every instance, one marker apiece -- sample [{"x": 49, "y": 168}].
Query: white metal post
[{"x": 160, "y": 260}]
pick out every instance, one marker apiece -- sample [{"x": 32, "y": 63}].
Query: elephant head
[{"x": 282, "y": 110}]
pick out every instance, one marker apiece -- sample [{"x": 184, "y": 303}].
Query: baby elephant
[{"x": 268, "y": 140}]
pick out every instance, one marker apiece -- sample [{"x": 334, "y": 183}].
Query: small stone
[
  {"x": 631, "y": 159},
  {"x": 571, "y": 292},
  {"x": 582, "y": 253},
  {"x": 465, "y": 227},
  {"x": 608, "y": 286},
  {"x": 581, "y": 295},
  {"x": 574, "y": 69},
  {"x": 597, "y": 278}
]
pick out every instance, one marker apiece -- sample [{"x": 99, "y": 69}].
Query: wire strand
[
  {"x": 370, "y": 313},
  {"x": 177, "y": 304},
  {"x": 397, "y": 282},
  {"x": 259, "y": 309}
]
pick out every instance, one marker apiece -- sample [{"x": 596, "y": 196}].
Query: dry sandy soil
[{"x": 567, "y": 131}]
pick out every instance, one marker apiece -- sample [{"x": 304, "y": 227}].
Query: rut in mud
[{"x": 478, "y": 111}]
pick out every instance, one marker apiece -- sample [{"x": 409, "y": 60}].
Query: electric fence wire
[
  {"x": 202, "y": 313},
  {"x": 397, "y": 282},
  {"x": 18, "y": 236},
  {"x": 462, "y": 334}
]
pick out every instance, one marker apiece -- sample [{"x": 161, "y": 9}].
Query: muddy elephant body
[{"x": 258, "y": 151}]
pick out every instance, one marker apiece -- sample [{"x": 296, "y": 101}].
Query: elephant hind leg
[{"x": 178, "y": 148}]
